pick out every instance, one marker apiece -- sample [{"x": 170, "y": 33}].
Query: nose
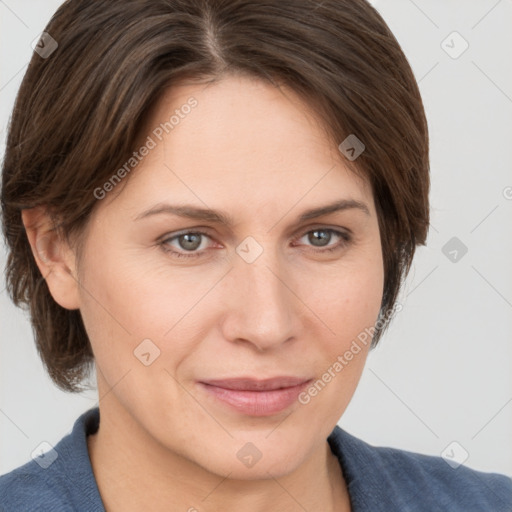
[{"x": 261, "y": 308}]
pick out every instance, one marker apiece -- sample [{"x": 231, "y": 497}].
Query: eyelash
[{"x": 345, "y": 237}]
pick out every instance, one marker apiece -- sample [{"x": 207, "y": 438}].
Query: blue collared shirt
[{"x": 379, "y": 479}]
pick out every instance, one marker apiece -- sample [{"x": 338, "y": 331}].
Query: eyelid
[
  {"x": 327, "y": 227},
  {"x": 304, "y": 230},
  {"x": 174, "y": 235},
  {"x": 205, "y": 230},
  {"x": 344, "y": 234}
]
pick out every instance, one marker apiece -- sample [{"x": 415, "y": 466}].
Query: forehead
[{"x": 239, "y": 141}]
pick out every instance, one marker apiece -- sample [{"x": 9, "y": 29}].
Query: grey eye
[
  {"x": 320, "y": 237},
  {"x": 190, "y": 241}
]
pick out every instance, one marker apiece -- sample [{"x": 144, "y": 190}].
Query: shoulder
[
  {"x": 59, "y": 479},
  {"x": 382, "y": 477},
  {"x": 26, "y": 488}
]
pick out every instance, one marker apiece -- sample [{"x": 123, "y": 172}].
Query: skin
[{"x": 259, "y": 154}]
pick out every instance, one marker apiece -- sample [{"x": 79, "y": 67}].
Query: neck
[{"x": 135, "y": 472}]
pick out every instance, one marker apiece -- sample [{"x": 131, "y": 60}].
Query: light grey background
[{"x": 442, "y": 373}]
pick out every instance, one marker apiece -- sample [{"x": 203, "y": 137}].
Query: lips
[
  {"x": 248, "y": 384},
  {"x": 255, "y": 397}
]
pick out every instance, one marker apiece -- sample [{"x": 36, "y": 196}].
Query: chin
[
  {"x": 261, "y": 470},
  {"x": 247, "y": 462}
]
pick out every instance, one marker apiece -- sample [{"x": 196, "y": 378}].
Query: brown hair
[{"x": 80, "y": 111}]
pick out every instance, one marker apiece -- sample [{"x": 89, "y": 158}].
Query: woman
[{"x": 212, "y": 202}]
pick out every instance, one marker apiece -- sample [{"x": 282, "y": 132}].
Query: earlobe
[{"x": 53, "y": 256}]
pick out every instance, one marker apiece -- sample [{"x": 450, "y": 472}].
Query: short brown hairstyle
[{"x": 80, "y": 111}]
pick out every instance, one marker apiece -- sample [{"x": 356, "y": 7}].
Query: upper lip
[{"x": 251, "y": 384}]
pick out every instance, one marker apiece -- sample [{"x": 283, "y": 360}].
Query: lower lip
[{"x": 256, "y": 403}]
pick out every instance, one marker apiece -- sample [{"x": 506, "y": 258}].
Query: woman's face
[{"x": 259, "y": 294}]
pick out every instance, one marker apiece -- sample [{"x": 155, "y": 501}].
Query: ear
[{"x": 55, "y": 259}]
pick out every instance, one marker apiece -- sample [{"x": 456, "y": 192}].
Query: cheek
[
  {"x": 347, "y": 297},
  {"x": 348, "y": 304},
  {"x": 126, "y": 300}
]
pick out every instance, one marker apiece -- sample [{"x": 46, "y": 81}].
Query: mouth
[{"x": 255, "y": 397}]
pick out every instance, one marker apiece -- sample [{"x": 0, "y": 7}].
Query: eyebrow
[{"x": 205, "y": 214}]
